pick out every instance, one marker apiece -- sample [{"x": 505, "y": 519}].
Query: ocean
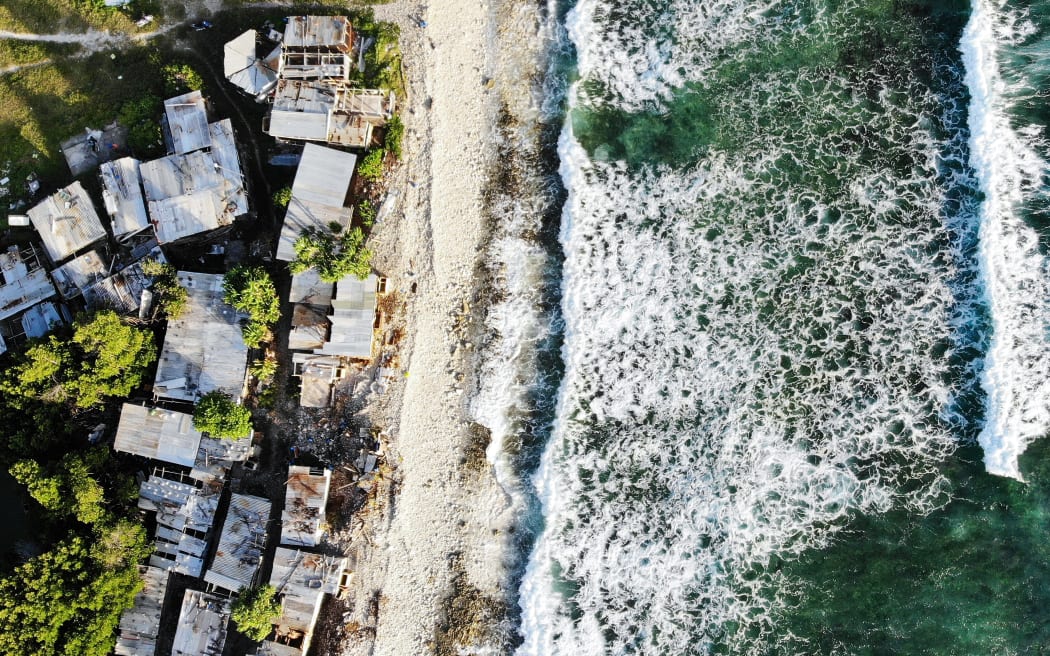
[{"x": 772, "y": 367}]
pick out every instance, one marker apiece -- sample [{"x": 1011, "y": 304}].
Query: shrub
[
  {"x": 395, "y": 133},
  {"x": 367, "y": 212},
  {"x": 263, "y": 369},
  {"x": 282, "y": 197},
  {"x": 219, "y": 416},
  {"x": 371, "y": 166},
  {"x": 169, "y": 296},
  {"x": 251, "y": 290},
  {"x": 333, "y": 257},
  {"x": 179, "y": 78},
  {"x": 255, "y": 610}
]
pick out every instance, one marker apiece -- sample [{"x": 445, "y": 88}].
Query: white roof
[
  {"x": 202, "y": 625},
  {"x": 203, "y": 348},
  {"x": 78, "y": 274},
  {"x": 158, "y": 433},
  {"x": 318, "y": 195},
  {"x": 307, "y": 287},
  {"x": 122, "y": 196},
  {"x": 244, "y": 68},
  {"x": 187, "y": 122},
  {"x": 38, "y": 320},
  {"x": 67, "y": 222},
  {"x": 241, "y": 545},
  {"x": 268, "y": 648},
  {"x": 353, "y": 316},
  {"x": 306, "y": 494},
  {"x": 24, "y": 283},
  {"x": 285, "y": 124}
]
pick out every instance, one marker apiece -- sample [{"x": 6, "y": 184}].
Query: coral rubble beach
[{"x": 432, "y": 558}]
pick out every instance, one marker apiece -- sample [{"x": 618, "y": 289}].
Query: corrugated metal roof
[
  {"x": 121, "y": 292},
  {"x": 292, "y": 124},
  {"x": 158, "y": 433},
  {"x": 179, "y": 506},
  {"x": 268, "y": 648},
  {"x": 317, "y": 32},
  {"x": 202, "y": 626},
  {"x": 66, "y": 222},
  {"x": 307, "y": 287},
  {"x": 302, "y": 579},
  {"x": 78, "y": 274},
  {"x": 241, "y": 544},
  {"x": 243, "y": 67},
  {"x": 23, "y": 283},
  {"x": 188, "y": 122},
  {"x": 140, "y": 624},
  {"x": 203, "y": 348},
  {"x": 352, "y": 317},
  {"x": 122, "y": 196},
  {"x": 306, "y": 493},
  {"x": 40, "y": 319},
  {"x": 309, "y": 327},
  {"x": 318, "y": 195}
]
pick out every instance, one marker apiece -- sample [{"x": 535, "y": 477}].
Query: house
[
  {"x": 319, "y": 194},
  {"x": 67, "y": 222},
  {"x": 203, "y": 348},
  {"x": 140, "y": 624},
  {"x": 316, "y": 47},
  {"x": 352, "y": 318},
  {"x": 23, "y": 282},
  {"x": 196, "y": 192},
  {"x": 334, "y": 113},
  {"x": 241, "y": 545},
  {"x": 203, "y": 623},
  {"x": 243, "y": 67},
  {"x": 306, "y": 494},
  {"x": 157, "y": 433},
  {"x": 122, "y": 197},
  {"x": 83, "y": 271},
  {"x": 186, "y": 123},
  {"x": 302, "y": 580},
  {"x": 185, "y": 514}
]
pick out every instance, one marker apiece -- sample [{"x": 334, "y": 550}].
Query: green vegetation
[
  {"x": 263, "y": 369},
  {"x": 371, "y": 166},
  {"x": 395, "y": 134},
  {"x": 367, "y": 213},
  {"x": 15, "y": 52},
  {"x": 169, "y": 297},
  {"x": 73, "y": 487},
  {"x": 105, "y": 357},
  {"x": 141, "y": 116},
  {"x": 50, "y": 16},
  {"x": 333, "y": 256},
  {"x": 250, "y": 289},
  {"x": 180, "y": 78},
  {"x": 255, "y": 610},
  {"x": 282, "y": 197},
  {"x": 218, "y": 415},
  {"x": 383, "y": 59}
]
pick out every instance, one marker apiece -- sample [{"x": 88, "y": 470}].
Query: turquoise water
[{"x": 792, "y": 309}]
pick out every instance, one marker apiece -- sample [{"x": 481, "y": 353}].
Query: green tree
[
  {"x": 334, "y": 257},
  {"x": 251, "y": 290},
  {"x": 72, "y": 487},
  {"x": 179, "y": 78},
  {"x": 122, "y": 544},
  {"x": 170, "y": 296},
  {"x": 371, "y": 166},
  {"x": 255, "y": 610},
  {"x": 219, "y": 416},
  {"x": 395, "y": 133}
]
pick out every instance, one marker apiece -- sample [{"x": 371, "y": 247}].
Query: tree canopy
[
  {"x": 219, "y": 416},
  {"x": 333, "y": 256},
  {"x": 169, "y": 295},
  {"x": 104, "y": 357},
  {"x": 255, "y": 611},
  {"x": 72, "y": 487}
]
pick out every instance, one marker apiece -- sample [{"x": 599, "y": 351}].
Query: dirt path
[{"x": 92, "y": 40}]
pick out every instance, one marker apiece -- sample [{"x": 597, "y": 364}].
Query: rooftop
[
  {"x": 302, "y": 579},
  {"x": 38, "y": 320},
  {"x": 185, "y": 514},
  {"x": 241, "y": 544},
  {"x": 140, "y": 624},
  {"x": 318, "y": 195},
  {"x": 203, "y": 348},
  {"x": 67, "y": 222},
  {"x": 121, "y": 292},
  {"x": 306, "y": 494},
  {"x": 307, "y": 287},
  {"x": 187, "y": 117},
  {"x": 22, "y": 282},
  {"x": 73, "y": 277},
  {"x": 244, "y": 68},
  {"x": 353, "y": 317},
  {"x": 202, "y": 625},
  {"x": 309, "y": 327},
  {"x": 318, "y": 32},
  {"x": 324, "y": 111},
  {"x": 269, "y": 648},
  {"x": 157, "y": 433},
  {"x": 122, "y": 196}
]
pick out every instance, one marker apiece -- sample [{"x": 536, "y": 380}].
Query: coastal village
[{"x": 212, "y": 540}]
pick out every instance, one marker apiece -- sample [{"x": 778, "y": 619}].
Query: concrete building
[{"x": 333, "y": 113}]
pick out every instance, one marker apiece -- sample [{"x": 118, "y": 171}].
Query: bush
[
  {"x": 169, "y": 296},
  {"x": 180, "y": 78},
  {"x": 255, "y": 611},
  {"x": 282, "y": 197},
  {"x": 371, "y": 166},
  {"x": 251, "y": 290},
  {"x": 219, "y": 416},
  {"x": 263, "y": 369},
  {"x": 395, "y": 133},
  {"x": 333, "y": 257}
]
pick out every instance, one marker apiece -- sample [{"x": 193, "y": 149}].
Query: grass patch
[
  {"x": 51, "y": 16},
  {"x": 14, "y": 52}
]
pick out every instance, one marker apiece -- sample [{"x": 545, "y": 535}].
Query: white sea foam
[{"x": 1014, "y": 272}]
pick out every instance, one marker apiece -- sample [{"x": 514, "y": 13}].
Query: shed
[
  {"x": 302, "y": 579},
  {"x": 140, "y": 624},
  {"x": 203, "y": 348},
  {"x": 187, "y": 121},
  {"x": 353, "y": 317},
  {"x": 23, "y": 283},
  {"x": 158, "y": 433},
  {"x": 203, "y": 623},
  {"x": 67, "y": 222},
  {"x": 122, "y": 196},
  {"x": 241, "y": 545},
  {"x": 306, "y": 494},
  {"x": 244, "y": 68},
  {"x": 83, "y": 271},
  {"x": 319, "y": 193}
]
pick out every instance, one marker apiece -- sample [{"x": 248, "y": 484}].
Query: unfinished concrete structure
[
  {"x": 76, "y": 275},
  {"x": 334, "y": 113},
  {"x": 203, "y": 623},
  {"x": 196, "y": 192},
  {"x": 122, "y": 197},
  {"x": 185, "y": 514},
  {"x": 316, "y": 47},
  {"x": 203, "y": 349},
  {"x": 319, "y": 194},
  {"x": 140, "y": 624},
  {"x": 67, "y": 222},
  {"x": 244, "y": 68},
  {"x": 306, "y": 494},
  {"x": 302, "y": 580},
  {"x": 241, "y": 545}
]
